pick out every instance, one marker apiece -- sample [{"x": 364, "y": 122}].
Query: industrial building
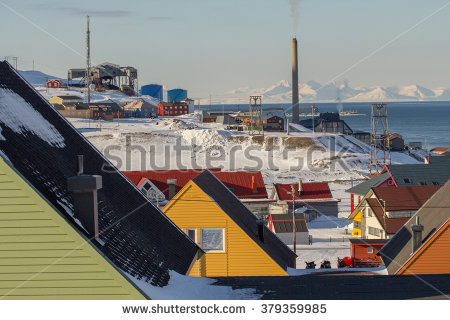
[
  {"x": 176, "y": 95},
  {"x": 172, "y": 108},
  {"x": 153, "y": 90},
  {"x": 108, "y": 76},
  {"x": 140, "y": 109},
  {"x": 328, "y": 122}
]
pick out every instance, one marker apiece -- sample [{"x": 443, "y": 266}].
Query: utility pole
[
  {"x": 293, "y": 218},
  {"x": 88, "y": 62},
  {"x": 312, "y": 118}
]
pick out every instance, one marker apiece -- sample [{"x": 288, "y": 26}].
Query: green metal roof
[
  {"x": 364, "y": 187},
  {"x": 437, "y": 172}
]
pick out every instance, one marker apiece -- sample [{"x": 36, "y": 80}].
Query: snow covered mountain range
[
  {"x": 314, "y": 91},
  {"x": 281, "y": 92}
]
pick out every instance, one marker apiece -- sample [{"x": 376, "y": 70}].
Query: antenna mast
[
  {"x": 88, "y": 62},
  {"x": 379, "y": 137}
]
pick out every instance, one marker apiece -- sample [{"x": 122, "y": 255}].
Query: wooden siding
[
  {"x": 43, "y": 257},
  {"x": 433, "y": 257},
  {"x": 357, "y": 218},
  {"x": 191, "y": 208}
]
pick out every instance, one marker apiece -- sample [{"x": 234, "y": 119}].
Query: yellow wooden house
[
  {"x": 236, "y": 243},
  {"x": 356, "y": 218},
  {"x": 43, "y": 257}
]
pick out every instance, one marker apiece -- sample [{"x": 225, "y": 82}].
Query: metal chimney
[
  {"x": 172, "y": 190},
  {"x": 295, "y": 107},
  {"x": 300, "y": 187},
  {"x": 84, "y": 189},
  {"x": 417, "y": 230}
]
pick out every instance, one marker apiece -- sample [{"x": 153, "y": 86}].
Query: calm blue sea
[{"x": 415, "y": 121}]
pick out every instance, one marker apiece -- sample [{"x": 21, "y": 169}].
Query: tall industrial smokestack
[{"x": 295, "y": 110}]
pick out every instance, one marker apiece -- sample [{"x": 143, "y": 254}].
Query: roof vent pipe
[
  {"x": 417, "y": 230},
  {"x": 172, "y": 190},
  {"x": 80, "y": 165},
  {"x": 300, "y": 187},
  {"x": 84, "y": 190}
]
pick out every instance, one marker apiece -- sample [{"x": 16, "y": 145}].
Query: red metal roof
[
  {"x": 244, "y": 184},
  {"x": 311, "y": 191}
]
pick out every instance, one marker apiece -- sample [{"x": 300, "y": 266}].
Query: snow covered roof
[{"x": 137, "y": 237}]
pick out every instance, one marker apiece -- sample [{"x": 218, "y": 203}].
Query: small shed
[
  {"x": 283, "y": 225},
  {"x": 55, "y": 83},
  {"x": 364, "y": 252},
  {"x": 225, "y": 119},
  {"x": 396, "y": 142}
]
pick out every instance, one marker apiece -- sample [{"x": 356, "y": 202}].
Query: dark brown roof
[
  {"x": 390, "y": 225},
  {"x": 405, "y": 197}
]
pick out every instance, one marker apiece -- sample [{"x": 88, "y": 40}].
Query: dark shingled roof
[
  {"x": 434, "y": 213},
  {"x": 138, "y": 238},
  {"x": 245, "y": 219},
  {"x": 283, "y": 223}
]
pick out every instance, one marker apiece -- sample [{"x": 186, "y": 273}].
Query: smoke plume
[{"x": 294, "y": 14}]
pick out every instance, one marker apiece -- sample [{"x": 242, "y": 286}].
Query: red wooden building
[
  {"x": 55, "y": 83},
  {"x": 364, "y": 252},
  {"x": 274, "y": 123},
  {"x": 172, "y": 108}
]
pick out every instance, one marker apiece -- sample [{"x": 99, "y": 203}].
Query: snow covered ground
[
  {"x": 184, "y": 142},
  {"x": 105, "y": 96}
]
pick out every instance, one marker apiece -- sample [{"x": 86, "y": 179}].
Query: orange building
[{"x": 422, "y": 245}]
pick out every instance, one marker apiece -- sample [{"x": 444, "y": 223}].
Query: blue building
[
  {"x": 153, "y": 90},
  {"x": 176, "y": 95}
]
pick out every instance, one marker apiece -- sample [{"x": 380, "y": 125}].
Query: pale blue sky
[{"x": 209, "y": 46}]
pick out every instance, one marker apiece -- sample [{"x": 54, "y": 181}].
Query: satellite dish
[{"x": 92, "y": 86}]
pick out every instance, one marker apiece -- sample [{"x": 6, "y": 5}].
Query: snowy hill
[{"x": 36, "y": 78}]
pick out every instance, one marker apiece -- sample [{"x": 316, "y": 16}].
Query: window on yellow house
[
  {"x": 212, "y": 240},
  {"x": 192, "y": 233}
]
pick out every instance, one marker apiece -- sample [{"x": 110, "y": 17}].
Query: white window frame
[
  {"x": 195, "y": 234},
  {"x": 223, "y": 238}
]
